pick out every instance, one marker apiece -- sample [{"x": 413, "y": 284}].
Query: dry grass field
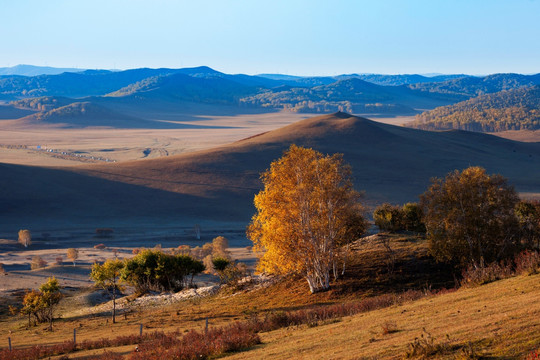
[{"x": 496, "y": 321}]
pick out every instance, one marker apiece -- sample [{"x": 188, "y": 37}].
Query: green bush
[{"x": 155, "y": 270}]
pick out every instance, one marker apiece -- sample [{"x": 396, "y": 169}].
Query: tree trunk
[{"x": 114, "y": 305}]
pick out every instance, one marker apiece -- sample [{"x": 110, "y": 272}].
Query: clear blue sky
[{"x": 302, "y": 37}]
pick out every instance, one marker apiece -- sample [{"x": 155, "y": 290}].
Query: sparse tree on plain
[
  {"x": 197, "y": 230},
  {"x": 25, "y": 238},
  {"x": 51, "y": 296},
  {"x": 107, "y": 276},
  {"x": 306, "y": 212},
  {"x": 73, "y": 254},
  {"x": 41, "y": 304},
  {"x": 219, "y": 247},
  {"x": 469, "y": 217}
]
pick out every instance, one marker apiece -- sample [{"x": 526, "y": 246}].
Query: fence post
[
  {"x": 140, "y": 330},
  {"x": 9, "y": 341},
  {"x": 206, "y": 326},
  {"x": 74, "y": 336}
]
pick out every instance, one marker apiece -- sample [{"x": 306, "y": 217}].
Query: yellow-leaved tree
[{"x": 306, "y": 214}]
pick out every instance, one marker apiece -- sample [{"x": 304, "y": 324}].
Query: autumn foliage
[
  {"x": 469, "y": 216},
  {"x": 307, "y": 211}
]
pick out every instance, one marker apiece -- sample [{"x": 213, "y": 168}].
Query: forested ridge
[{"x": 517, "y": 109}]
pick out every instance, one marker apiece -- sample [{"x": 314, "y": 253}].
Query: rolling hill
[
  {"x": 389, "y": 163},
  {"x": 351, "y": 95},
  {"x": 515, "y": 109},
  {"x": 181, "y": 87},
  {"x": 84, "y": 114},
  {"x": 86, "y": 83}
]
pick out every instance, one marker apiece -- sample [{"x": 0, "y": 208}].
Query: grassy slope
[{"x": 501, "y": 320}]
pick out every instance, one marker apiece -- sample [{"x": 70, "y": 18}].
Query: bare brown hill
[{"x": 389, "y": 163}]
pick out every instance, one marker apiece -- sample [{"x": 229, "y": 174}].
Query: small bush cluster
[
  {"x": 155, "y": 270},
  {"x": 100, "y": 246},
  {"x": 37, "y": 263},
  {"x": 524, "y": 263},
  {"x": 394, "y": 218},
  {"x": 480, "y": 274},
  {"x": 217, "y": 249},
  {"x": 527, "y": 262},
  {"x": 425, "y": 347}
]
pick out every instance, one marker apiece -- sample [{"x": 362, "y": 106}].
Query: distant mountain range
[
  {"x": 32, "y": 70},
  {"x": 354, "y": 93}
]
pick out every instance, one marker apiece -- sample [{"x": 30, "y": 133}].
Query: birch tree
[
  {"x": 306, "y": 213},
  {"x": 107, "y": 276},
  {"x": 25, "y": 238}
]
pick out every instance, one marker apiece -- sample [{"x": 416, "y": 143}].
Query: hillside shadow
[{"x": 38, "y": 197}]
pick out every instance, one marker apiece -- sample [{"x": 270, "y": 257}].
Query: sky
[{"x": 297, "y": 37}]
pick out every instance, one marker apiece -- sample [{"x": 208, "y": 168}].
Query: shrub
[
  {"x": 479, "y": 274},
  {"x": 388, "y": 217},
  {"x": 155, "y": 270},
  {"x": 469, "y": 217},
  {"x": 411, "y": 216},
  {"x": 527, "y": 262},
  {"x": 2, "y": 270},
  {"x": 219, "y": 247},
  {"x": 100, "y": 246},
  {"x": 37, "y": 263},
  {"x": 59, "y": 260},
  {"x": 389, "y": 327},
  {"x": 425, "y": 347},
  {"x": 220, "y": 263},
  {"x": 528, "y": 215}
]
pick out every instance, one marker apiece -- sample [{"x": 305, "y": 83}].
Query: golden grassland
[{"x": 500, "y": 320}]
